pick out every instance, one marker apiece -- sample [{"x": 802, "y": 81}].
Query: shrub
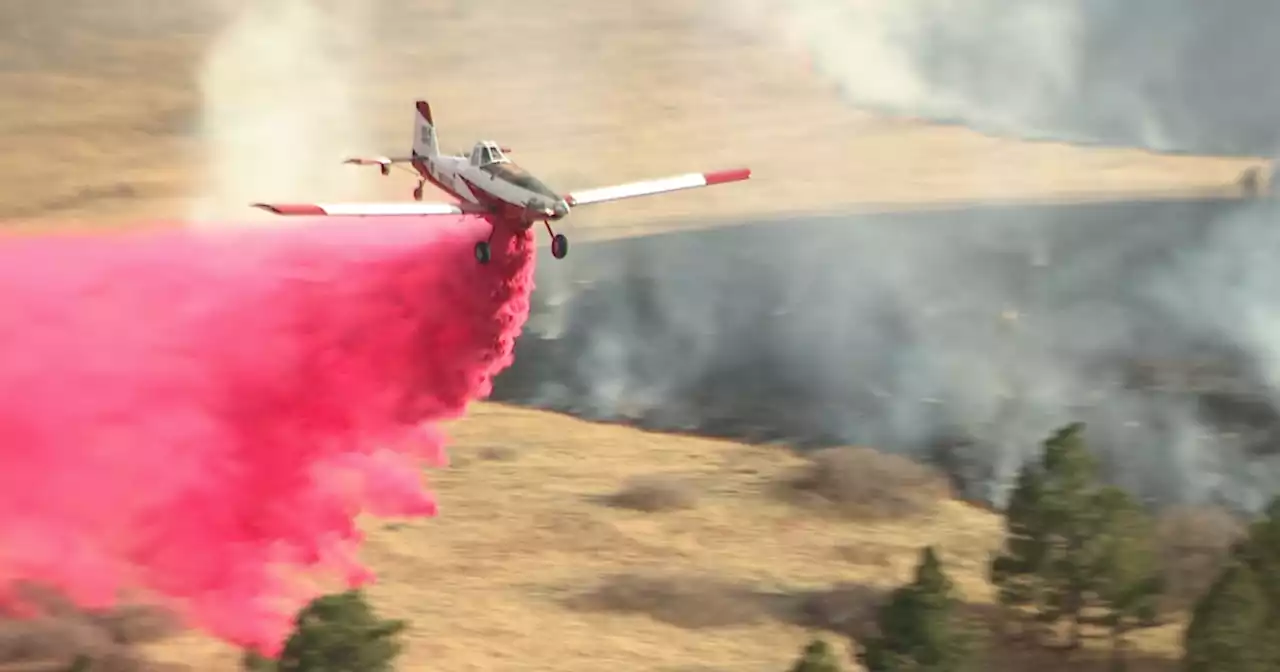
[
  {"x": 845, "y": 608},
  {"x": 690, "y": 602},
  {"x": 1195, "y": 543},
  {"x": 64, "y": 636},
  {"x": 817, "y": 657},
  {"x": 862, "y": 482},
  {"x": 336, "y": 633},
  {"x": 655, "y": 493}
]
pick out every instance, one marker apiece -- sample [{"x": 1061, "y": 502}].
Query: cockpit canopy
[{"x": 486, "y": 152}]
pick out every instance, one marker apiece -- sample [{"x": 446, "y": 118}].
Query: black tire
[
  {"x": 559, "y": 246},
  {"x": 482, "y": 252}
]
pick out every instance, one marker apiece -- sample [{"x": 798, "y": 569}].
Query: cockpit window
[{"x": 486, "y": 153}]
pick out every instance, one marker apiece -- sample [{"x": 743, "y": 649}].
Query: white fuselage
[{"x": 493, "y": 184}]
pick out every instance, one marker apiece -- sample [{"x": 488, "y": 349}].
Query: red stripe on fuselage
[
  {"x": 502, "y": 210},
  {"x": 498, "y": 208}
]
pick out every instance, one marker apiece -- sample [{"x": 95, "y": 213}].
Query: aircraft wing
[
  {"x": 658, "y": 186},
  {"x": 377, "y": 160},
  {"x": 407, "y": 208}
]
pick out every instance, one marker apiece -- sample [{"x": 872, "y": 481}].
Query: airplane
[{"x": 488, "y": 183}]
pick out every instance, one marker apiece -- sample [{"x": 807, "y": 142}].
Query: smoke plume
[
  {"x": 966, "y": 336},
  {"x": 278, "y": 111},
  {"x": 1170, "y": 75},
  {"x": 962, "y": 336},
  {"x": 195, "y": 414}
]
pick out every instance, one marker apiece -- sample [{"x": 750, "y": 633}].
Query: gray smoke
[
  {"x": 967, "y": 336},
  {"x": 1171, "y": 75},
  {"x": 963, "y": 336}
]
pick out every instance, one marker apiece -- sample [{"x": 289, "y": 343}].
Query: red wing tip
[
  {"x": 722, "y": 176},
  {"x": 303, "y": 209}
]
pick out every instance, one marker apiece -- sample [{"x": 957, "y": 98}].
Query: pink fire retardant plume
[{"x": 194, "y": 415}]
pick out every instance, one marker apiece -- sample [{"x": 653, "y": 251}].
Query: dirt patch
[
  {"x": 655, "y": 493},
  {"x": 690, "y": 602}
]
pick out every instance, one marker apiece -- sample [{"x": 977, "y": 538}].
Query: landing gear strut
[{"x": 559, "y": 244}]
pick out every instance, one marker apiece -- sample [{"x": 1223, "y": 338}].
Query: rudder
[{"x": 424, "y": 131}]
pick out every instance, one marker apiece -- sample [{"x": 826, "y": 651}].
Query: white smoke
[
  {"x": 279, "y": 111},
  {"x": 1170, "y": 75}
]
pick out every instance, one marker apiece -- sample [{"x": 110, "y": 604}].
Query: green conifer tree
[
  {"x": 919, "y": 627},
  {"x": 817, "y": 657},
  {"x": 336, "y": 633},
  {"x": 1229, "y": 628},
  {"x": 1074, "y": 549}
]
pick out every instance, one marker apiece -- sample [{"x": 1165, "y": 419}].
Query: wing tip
[{"x": 731, "y": 175}]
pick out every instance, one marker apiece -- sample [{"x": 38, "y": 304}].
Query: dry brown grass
[{"x": 867, "y": 483}]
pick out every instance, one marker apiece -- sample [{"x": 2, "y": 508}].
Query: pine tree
[
  {"x": 817, "y": 657},
  {"x": 1232, "y": 628},
  {"x": 919, "y": 628},
  {"x": 1262, "y": 551},
  {"x": 336, "y": 633},
  {"x": 1068, "y": 515},
  {"x": 1126, "y": 578},
  {"x": 1014, "y": 572},
  {"x": 1073, "y": 547},
  {"x": 1229, "y": 628}
]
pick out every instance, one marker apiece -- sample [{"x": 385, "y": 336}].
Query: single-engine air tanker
[{"x": 487, "y": 183}]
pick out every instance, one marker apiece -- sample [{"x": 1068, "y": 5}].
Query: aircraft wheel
[
  {"x": 559, "y": 246},
  {"x": 482, "y": 252},
  {"x": 417, "y": 193}
]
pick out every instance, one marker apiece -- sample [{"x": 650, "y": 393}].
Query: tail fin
[{"x": 424, "y": 131}]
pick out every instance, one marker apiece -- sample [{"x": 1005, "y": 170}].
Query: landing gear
[
  {"x": 417, "y": 191},
  {"x": 559, "y": 244},
  {"x": 483, "y": 250}
]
